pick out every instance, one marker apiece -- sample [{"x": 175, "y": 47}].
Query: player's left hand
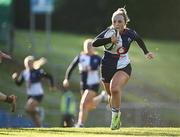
[
  {"x": 15, "y": 76},
  {"x": 149, "y": 55}
]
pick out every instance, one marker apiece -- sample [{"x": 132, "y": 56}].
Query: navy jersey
[
  {"x": 88, "y": 68},
  {"x": 33, "y": 80},
  {"x": 121, "y": 47}
]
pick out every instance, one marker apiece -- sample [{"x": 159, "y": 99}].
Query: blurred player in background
[
  {"x": 32, "y": 75},
  {"x": 68, "y": 108},
  {"x": 11, "y": 99},
  {"x": 88, "y": 62}
]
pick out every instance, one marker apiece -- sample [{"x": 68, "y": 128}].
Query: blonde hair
[
  {"x": 88, "y": 43},
  {"x": 27, "y": 59},
  {"x": 36, "y": 63},
  {"x": 123, "y": 12}
]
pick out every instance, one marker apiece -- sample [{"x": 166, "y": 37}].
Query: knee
[
  {"x": 114, "y": 89},
  {"x": 29, "y": 109}
]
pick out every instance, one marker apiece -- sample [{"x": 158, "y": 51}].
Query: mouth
[{"x": 117, "y": 27}]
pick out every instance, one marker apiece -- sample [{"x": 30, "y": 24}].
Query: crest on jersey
[{"x": 121, "y": 50}]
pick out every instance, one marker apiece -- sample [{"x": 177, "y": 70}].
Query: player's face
[
  {"x": 118, "y": 22},
  {"x": 30, "y": 64},
  {"x": 88, "y": 48}
]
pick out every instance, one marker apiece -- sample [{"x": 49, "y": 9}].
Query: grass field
[
  {"x": 90, "y": 132},
  {"x": 151, "y": 82}
]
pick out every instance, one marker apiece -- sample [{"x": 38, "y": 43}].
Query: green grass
[
  {"x": 90, "y": 132},
  {"x": 158, "y": 77},
  {"x": 163, "y": 70},
  {"x": 161, "y": 73},
  {"x": 151, "y": 81}
]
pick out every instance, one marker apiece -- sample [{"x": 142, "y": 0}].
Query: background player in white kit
[
  {"x": 88, "y": 62},
  {"x": 32, "y": 75}
]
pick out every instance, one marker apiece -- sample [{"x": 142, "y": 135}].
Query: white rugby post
[{"x": 41, "y": 7}]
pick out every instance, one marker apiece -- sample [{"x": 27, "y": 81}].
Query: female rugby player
[{"x": 116, "y": 67}]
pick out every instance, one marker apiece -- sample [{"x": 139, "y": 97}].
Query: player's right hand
[
  {"x": 114, "y": 39},
  {"x": 14, "y": 76}
]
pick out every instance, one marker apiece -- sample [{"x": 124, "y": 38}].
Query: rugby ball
[{"x": 109, "y": 34}]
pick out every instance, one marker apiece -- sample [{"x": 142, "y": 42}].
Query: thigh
[
  {"x": 119, "y": 80},
  {"x": 87, "y": 96},
  {"x": 32, "y": 103}
]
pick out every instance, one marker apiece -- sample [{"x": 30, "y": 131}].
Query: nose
[{"x": 116, "y": 23}]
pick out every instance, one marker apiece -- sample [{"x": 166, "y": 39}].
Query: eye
[{"x": 119, "y": 21}]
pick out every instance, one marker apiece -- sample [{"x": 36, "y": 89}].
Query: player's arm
[
  {"x": 6, "y": 98},
  {"x": 47, "y": 76},
  {"x": 69, "y": 71},
  {"x": 18, "y": 79},
  {"x": 71, "y": 67},
  {"x": 3, "y": 55},
  {"x": 100, "y": 40},
  {"x": 11, "y": 99},
  {"x": 142, "y": 45}
]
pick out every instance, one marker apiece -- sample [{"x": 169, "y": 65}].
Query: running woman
[
  {"x": 116, "y": 68},
  {"x": 32, "y": 75},
  {"x": 88, "y": 62},
  {"x": 11, "y": 99}
]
